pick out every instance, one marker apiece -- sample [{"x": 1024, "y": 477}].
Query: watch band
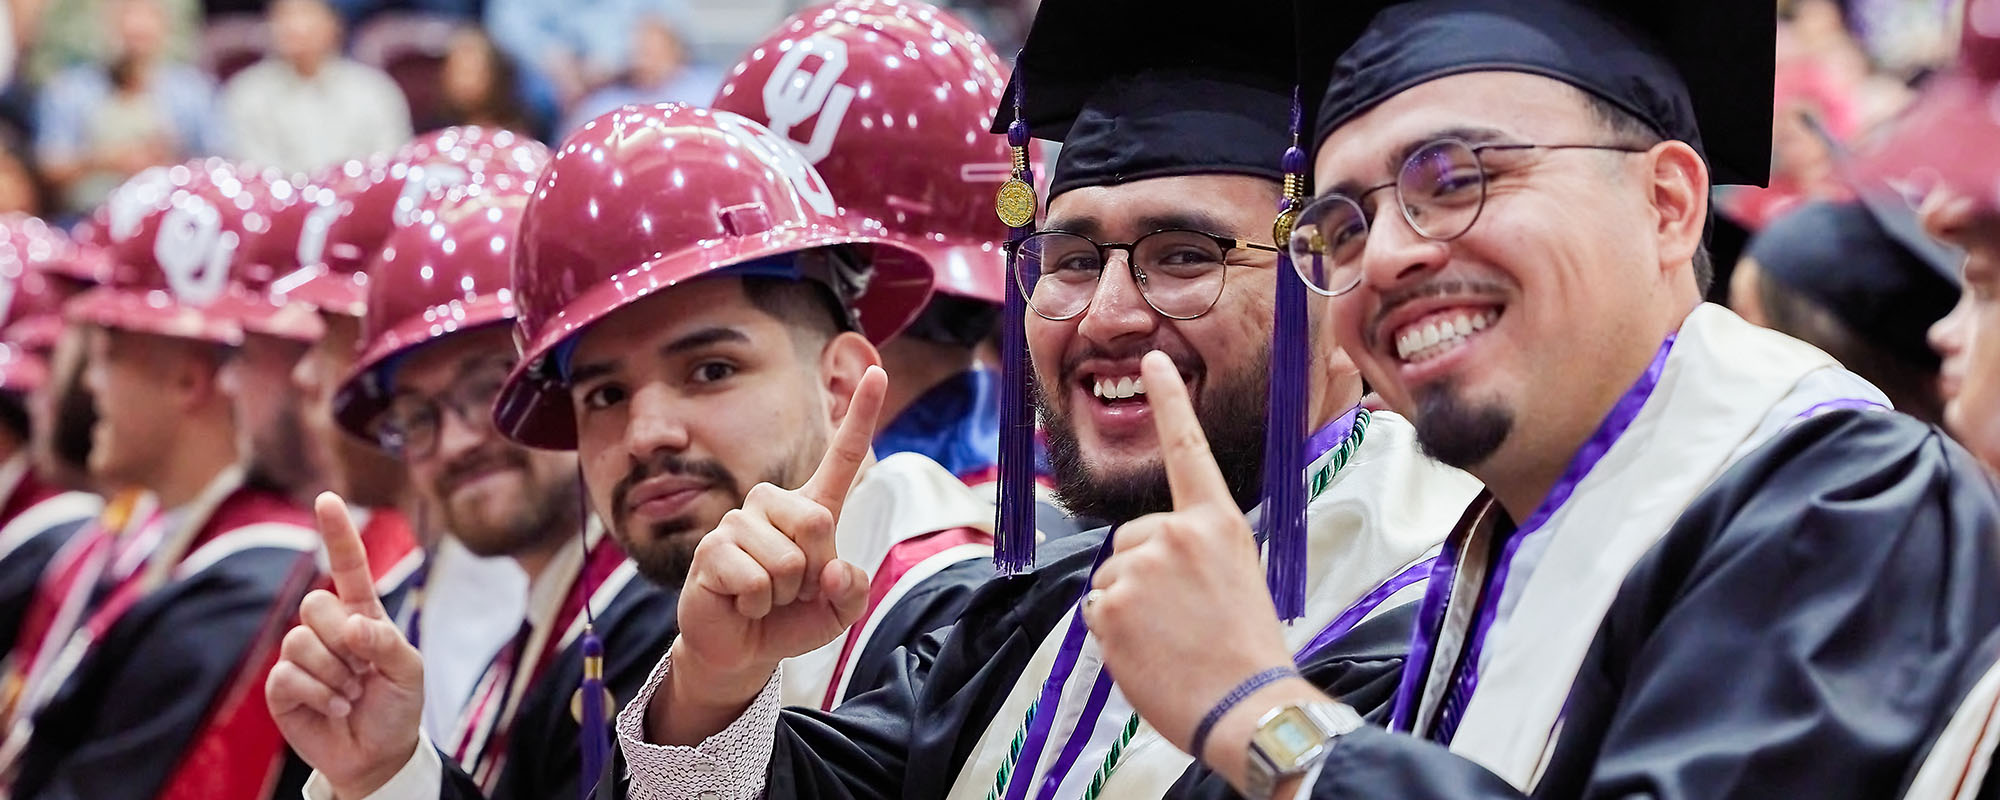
[{"x": 1325, "y": 720}]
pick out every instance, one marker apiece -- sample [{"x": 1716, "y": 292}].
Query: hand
[
  {"x": 1180, "y": 606},
  {"x": 348, "y": 689},
  {"x": 766, "y": 585}
]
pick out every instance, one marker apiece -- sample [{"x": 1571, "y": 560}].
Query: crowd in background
[{"x": 98, "y": 90}]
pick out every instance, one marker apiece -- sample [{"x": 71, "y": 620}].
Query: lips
[{"x": 663, "y": 496}]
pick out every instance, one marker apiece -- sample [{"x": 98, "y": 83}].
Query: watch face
[{"x": 1290, "y": 737}]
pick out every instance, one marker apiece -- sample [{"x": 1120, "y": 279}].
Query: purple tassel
[
  {"x": 594, "y": 723},
  {"x": 1283, "y": 524},
  {"x": 1014, "y": 532}
]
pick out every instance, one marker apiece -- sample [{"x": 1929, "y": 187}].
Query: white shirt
[{"x": 280, "y": 118}]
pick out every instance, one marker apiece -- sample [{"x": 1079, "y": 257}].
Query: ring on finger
[{"x": 1090, "y": 600}]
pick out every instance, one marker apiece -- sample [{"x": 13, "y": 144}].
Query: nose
[
  {"x": 1394, "y": 252},
  {"x": 458, "y": 436},
  {"x": 1945, "y": 336},
  {"x": 305, "y": 374},
  {"x": 1118, "y": 308},
  {"x": 654, "y": 422}
]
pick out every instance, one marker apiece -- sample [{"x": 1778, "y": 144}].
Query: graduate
[
  {"x": 930, "y": 184},
  {"x": 139, "y": 662},
  {"x": 682, "y": 372},
  {"x": 1157, "y": 238},
  {"x": 1709, "y": 562}
]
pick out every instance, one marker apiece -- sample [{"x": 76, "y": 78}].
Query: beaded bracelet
[{"x": 1237, "y": 695}]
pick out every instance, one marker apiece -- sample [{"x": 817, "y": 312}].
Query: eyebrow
[
  {"x": 1186, "y": 219},
  {"x": 1394, "y": 161},
  {"x": 696, "y": 340}
]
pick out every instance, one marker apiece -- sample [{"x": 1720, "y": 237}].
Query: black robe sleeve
[
  {"x": 935, "y": 604},
  {"x": 543, "y": 759},
  {"x": 122, "y": 722},
  {"x": 910, "y": 737},
  {"x": 1797, "y": 633},
  {"x": 21, "y": 573}
]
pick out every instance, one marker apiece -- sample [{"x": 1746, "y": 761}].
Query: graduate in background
[
  {"x": 1710, "y": 563},
  {"x": 1157, "y": 238},
  {"x": 153, "y": 630}
]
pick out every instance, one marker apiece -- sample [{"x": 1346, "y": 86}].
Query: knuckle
[{"x": 790, "y": 562}]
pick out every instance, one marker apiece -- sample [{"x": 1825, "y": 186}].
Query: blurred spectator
[
  {"x": 103, "y": 124},
  {"x": 480, "y": 86},
  {"x": 308, "y": 106},
  {"x": 20, "y": 189},
  {"x": 1839, "y": 276},
  {"x": 354, "y": 12},
  {"x": 565, "y": 48},
  {"x": 659, "y": 73},
  {"x": 70, "y": 33},
  {"x": 10, "y": 46}
]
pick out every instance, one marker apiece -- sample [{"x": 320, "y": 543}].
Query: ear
[
  {"x": 1680, "y": 202},
  {"x": 841, "y": 364},
  {"x": 198, "y": 372}
]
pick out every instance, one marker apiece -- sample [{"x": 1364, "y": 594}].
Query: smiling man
[{"x": 1709, "y": 563}]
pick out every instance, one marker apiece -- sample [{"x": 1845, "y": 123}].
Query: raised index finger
[
  {"x": 1191, "y": 470},
  {"x": 346, "y": 557},
  {"x": 849, "y": 448}
]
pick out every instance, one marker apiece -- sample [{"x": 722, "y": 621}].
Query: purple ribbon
[
  {"x": 1330, "y": 437},
  {"x": 1362, "y": 608},
  {"x": 1437, "y": 598},
  {"x": 1051, "y": 697},
  {"x": 1843, "y": 403}
]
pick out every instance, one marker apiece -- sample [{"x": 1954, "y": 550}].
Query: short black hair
[
  {"x": 1627, "y": 129},
  {"x": 955, "y": 321},
  {"x": 806, "y": 307}
]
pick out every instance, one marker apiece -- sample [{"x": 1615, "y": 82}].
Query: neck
[
  {"x": 308, "y": 66},
  {"x": 915, "y": 367},
  {"x": 1542, "y": 446},
  {"x": 535, "y": 560},
  {"x": 1340, "y": 392},
  {"x": 197, "y": 460}
]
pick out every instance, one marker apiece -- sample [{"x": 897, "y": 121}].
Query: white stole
[{"x": 1387, "y": 509}]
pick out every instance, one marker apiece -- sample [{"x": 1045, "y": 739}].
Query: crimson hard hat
[
  {"x": 445, "y": 272},
  {"x": 30, "y": 307},
  {"x": 644, "y": 198},
  {"x": 1948, "y": 137},
  {"x": 173, "y": 235},
  {"x": 268, "y": 251},
  {"x": 50, "y": 250},
  {"x": 891, "y": 101},
  {"x": 355, "y": 206}
]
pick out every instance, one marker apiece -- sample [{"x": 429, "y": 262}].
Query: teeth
[
  {"x": 1119, "y": 389},
  {"x": 1420, "y": 343}
]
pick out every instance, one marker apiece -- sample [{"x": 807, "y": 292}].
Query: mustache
[
  {"x": 707, "y": 470},
  {"x": 478, "y": 462},
  {"x": 1439, "y": 287}
]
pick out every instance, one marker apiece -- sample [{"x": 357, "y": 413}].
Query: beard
[
  {"x": 666, "y": 553},
  {"x": 1457, "y": 432},
  {"x": 279, "y": 460},
  {"x": 1231, "y": 410},
  {"x": 548, "y": 509}
]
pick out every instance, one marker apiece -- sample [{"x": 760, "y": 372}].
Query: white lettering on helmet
[
  {"x": 193, "y": 251},
  {"x": 779, "y": 155},
  {"x": 422, "y": 181},
  {"x": 126, "y": 208},
  {"x": 792, "y": 95},
  {"x": 312, "y": 232}
]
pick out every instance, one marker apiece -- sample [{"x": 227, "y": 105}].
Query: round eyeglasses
[
  {"x": 1179, "y": 272},
  {"x": 1441, "y": 189},
  {"x": 410, "y": 428}
]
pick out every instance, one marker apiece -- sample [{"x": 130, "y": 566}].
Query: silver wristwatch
[{"x": 1291, "y": 738}]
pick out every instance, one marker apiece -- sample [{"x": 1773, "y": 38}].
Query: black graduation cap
[
  {"x": 1851, "y": 262},
  {"x": 1699, "y": 71},
  {"x": 1138, "y": 89}
]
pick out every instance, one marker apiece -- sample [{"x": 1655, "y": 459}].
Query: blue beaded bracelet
[{"x": 1229, "y": 701}]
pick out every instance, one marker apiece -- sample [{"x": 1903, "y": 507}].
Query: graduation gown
[
  {"x": 1793, "y": 629},
  {"x": 168, "y": 702},
  {"x": 36, "y": 519},
  {"x": 953, "y": 702},
  {"x": 957, "y": 424}
]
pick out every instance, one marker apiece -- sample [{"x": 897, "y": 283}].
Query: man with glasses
[
  {"x": 1157, "y": 238},
  {"x": 1709, "y": 563}
]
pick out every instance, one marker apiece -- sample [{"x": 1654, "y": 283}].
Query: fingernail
[{"x": 338, "y": 708}]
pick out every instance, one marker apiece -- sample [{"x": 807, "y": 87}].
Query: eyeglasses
[
  {"x": 1441, "y": 189},
  {"x": 411, "y": 426},
  {"x": 1179, "y": 272}
]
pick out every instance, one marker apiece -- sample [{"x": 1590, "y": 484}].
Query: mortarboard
[
  {"x": 1840, "y": 254},
  {"x": 1146, "y": 90}
]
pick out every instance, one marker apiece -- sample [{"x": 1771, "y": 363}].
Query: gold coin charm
[
  {"x": 1281, "y": 230},
  {"x": 1015, "y": 203},
  {"x": 576, "y": 704}
]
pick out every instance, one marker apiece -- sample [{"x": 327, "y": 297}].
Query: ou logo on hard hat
[
  {"x": 126, "y": 208},
  {"x": 422, "y": 181},
  {"x": 193, "y": 251},
  {"x": 792, "y": 95},
  {"x": 780, "y": 155},
  {"x": 312, "y": 232}
]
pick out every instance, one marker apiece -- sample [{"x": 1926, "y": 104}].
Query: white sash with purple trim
[
  {"x": 1726, "y": 388},
  {"x": 1382, "y": 515}
]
